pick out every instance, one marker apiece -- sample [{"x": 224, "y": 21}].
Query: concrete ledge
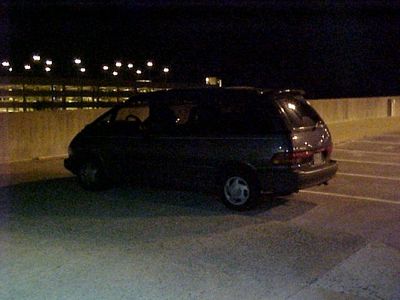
[{"x": 356, "y": 129}]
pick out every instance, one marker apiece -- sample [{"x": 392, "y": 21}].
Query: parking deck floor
[{"x": 340, "y": 241}]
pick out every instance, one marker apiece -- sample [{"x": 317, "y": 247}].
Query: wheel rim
[
  {"x": 89, "y": 174},
  {"x": 236, "y": 190}
]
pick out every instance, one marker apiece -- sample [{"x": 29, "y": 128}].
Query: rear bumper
[{"x": 286, "y": 181}]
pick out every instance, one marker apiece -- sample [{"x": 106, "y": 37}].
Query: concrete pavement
[{"x": 340, "y": 241}]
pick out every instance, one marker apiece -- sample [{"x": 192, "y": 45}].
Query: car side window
[
  {"x": 128, "y": 119},
  {"x": 170, "y": 116},
  {"x": 161, "y": 119},
  {"x": 129, "y": 113},
  {"x": 203, "y": 119},
  {"x": 247, "y": 114}
]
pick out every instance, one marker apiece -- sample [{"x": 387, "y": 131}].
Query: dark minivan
[{"x": 243, "y": 140}]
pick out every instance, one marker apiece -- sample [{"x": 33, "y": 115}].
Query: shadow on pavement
[
  {"x": 64, "y": 197},
  {"x": 60, "y": 209}
]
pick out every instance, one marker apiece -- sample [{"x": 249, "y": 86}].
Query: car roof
[{"x": 213, "y": 91}]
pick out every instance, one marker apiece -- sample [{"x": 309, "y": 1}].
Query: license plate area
[{"x": 318, "y": 159}]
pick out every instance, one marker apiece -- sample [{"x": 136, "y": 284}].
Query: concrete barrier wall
[
  {"x": 354, "y": 118},
  {"x": 42, "y": 134},
  {"x": 338, "y": 110}
]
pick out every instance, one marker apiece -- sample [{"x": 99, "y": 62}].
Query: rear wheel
[
  {"x": 91, "y": 175},
  {"x": 240, "y": 191}
]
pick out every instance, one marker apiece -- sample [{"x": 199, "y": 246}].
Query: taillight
[
  {"x": 328, "y": 150},
  {"x": 293, "y": 158},
  {"x": 302, "y": 157}
]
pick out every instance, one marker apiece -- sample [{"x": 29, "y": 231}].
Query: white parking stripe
[
  {"x": 382, "y": 163},
  {"x": 369, "y": 176},
  {"x": 351, "y": 197},
  {"x": 378, "y": 142},
  {"x": 390, "y": 135},
  {"x": 367, "y": 152}
]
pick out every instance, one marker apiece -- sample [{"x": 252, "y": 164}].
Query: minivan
[{"x": 243, "y": 141}]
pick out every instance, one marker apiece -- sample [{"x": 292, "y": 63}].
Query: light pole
[
  {"x": 166, "y": 71},
  {"x": 150, "y": 65},
  {"x": 6, "y": 65},
  {"x": 138, "y": 73}
]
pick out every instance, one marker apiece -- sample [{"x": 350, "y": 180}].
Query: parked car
[{"x": 244, "y": 140}]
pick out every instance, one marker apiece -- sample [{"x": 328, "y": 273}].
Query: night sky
[{"x": 330, "y": 50}]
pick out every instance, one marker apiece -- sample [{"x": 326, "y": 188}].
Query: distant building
[{"x": 19, "y": 94}]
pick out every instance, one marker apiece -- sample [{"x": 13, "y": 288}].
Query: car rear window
[{"x": 298, "y": 112}]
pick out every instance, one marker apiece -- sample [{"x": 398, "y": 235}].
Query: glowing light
[
  {"x": 115, "y": 73},
  {"x": 166, "y": 70},
  {"x": 47, "y": 69},
  {"x": 291, "y": 106},
  {"x": 5, "y": 64},
  {"x": 27, "y": 67},
  {"x": 49, "y": 62},
  {"x": 83, "y": 70},
  {"x": 150, "y": 64},
  {"x": 105, "y": 68},
  {"x": 36, "y": 57},
  {"x": 118, "y": 64},
  {"x": 130, "y": 66},
  {"x": 138, "y": 72},
  {"x": 10, "y": 69},
  {"x": 77, "y": 61}
]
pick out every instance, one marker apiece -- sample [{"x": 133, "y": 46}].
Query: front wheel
[
  {"x": 91, "y": 176},
  {"x": 240, "y": 192}
]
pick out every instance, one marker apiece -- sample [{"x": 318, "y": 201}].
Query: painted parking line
[
  {"x": 390, "y": 135},
  {"x": 378, "y": 142},
  {"x": 367, "y": 152},
  {"x": 381, "y": 163},
  {"x": 351, "y": 197},
  {"x": 369, "y": 176}
]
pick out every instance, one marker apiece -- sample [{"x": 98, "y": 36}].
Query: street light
[
  {"x": 36, "y": 57},
  {"x": 5, "y": 63},
  {"x": 27, "y": 67},
  {"x": 115, "y": 73},
  {"x": 83, "y": 70},
  {"x": 130, "y": 66},
  {"x": 149, "y": 67},
  {"x": 118, "y": 64},
  {"x": 105, "y": 68},
  {"x": 10, "y": 69},
  {"x": 77, "y": 61},
  {"x": 166, "y": 71},
  {"x": 48, "y": 62},
  {"x": 139, "y": 72},
  {"x": 47, "y": 69}
]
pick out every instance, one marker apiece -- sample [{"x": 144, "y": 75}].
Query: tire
[
  {"x": 91, "y": 176},
  {"x": 240, "y": 191}
]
